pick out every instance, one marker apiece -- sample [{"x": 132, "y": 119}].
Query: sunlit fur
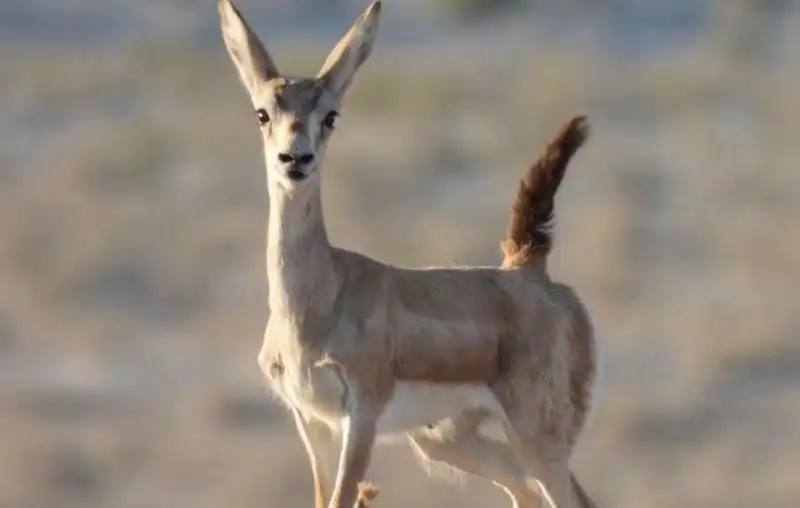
[{"x": 442, "y": 356}]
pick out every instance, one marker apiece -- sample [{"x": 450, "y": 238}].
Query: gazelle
[{"x": 360, "y": 348}]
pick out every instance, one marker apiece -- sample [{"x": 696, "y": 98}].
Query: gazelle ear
[
  {"x": 248, "y": 54},
  {"x": 352, "y": 50}
]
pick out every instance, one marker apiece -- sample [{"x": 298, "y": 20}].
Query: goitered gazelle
[{"x": 443, "y": 356}]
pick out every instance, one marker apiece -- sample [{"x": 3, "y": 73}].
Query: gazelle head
[{"x": 296, "y": 115}]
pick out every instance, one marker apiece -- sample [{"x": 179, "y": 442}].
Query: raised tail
[{"x": 529, "y": 236}]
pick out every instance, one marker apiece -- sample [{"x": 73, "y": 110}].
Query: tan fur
[{"x": 357, "y": 347}]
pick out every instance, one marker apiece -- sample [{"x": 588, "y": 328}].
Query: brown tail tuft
[{"x": 529, "y": 235}]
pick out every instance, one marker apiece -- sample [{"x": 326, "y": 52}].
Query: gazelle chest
[{"x": 300, "y": 380}]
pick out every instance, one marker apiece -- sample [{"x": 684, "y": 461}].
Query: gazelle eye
[
  {"x": 330, "y": 120},
  {"x": 262, "y": 116}
]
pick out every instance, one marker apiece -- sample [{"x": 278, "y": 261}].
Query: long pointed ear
[
  {"x": 248, "y": 54},
  {"x": 351, "y": 51}
]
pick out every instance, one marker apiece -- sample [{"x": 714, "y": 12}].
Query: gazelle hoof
[{"x": 366, "y": 492}]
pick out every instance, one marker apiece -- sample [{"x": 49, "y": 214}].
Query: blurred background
[{"x": 133, "y": 211}]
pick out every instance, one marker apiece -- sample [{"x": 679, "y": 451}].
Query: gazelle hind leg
[
  {"x": 546, "y": 465},
  {"x": 460, "y": 446},
  {"x": 480, "y": 457}
]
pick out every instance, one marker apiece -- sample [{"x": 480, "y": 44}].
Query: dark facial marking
[
  {"x": 317, "y": 96},
  {"x": 290, "y": 86}
]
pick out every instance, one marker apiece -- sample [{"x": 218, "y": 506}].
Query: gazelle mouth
[{"x": 296, "y": 175}]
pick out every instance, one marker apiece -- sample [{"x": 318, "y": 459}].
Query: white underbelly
[{"x": 418, "y": 404}]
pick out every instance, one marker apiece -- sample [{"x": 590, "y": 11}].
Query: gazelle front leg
[
  {"x": 318, "y": 442},
  {"x": 357, "y": 442}
]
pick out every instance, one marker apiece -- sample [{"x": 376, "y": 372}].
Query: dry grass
[{"x": 132, "y": 215}]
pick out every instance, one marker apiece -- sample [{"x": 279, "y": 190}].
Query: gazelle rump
[{"x": 440, "y": 355}]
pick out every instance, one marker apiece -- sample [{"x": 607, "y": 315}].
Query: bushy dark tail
[{"x": 529, "y": 235}]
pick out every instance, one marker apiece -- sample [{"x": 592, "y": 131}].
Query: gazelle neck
[{"x": 300, "y": 261}]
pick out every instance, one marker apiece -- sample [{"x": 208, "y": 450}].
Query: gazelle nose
[{"x": 305, "y": 158}]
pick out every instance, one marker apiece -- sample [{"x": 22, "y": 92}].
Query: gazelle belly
[{"x": 420, "y": 405}]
